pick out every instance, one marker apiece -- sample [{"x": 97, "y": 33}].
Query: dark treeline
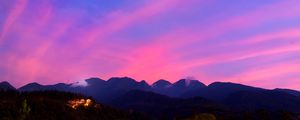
[
  {"x": 197, "y": 108},
  {"x": 53, "y": 105}
]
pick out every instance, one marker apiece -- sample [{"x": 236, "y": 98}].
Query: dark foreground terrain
[
  {"x": 135, "y": 105},
  {"x": 53, "y": 105}
]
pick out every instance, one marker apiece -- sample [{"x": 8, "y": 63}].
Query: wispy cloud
[
  {"x": 13, "y": 15},
  {"x": 57, "y": 42}
]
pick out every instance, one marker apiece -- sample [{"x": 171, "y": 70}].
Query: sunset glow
[{"x": 253, "y": 42}]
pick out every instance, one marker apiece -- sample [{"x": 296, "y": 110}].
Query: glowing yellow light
[
  {"x": 87, "y": 102},
  {"x": 82, "y": 102}
]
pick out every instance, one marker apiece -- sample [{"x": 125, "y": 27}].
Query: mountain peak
[
  {"x": 189, "y": 82},
  {"x": 161, "y": 84},
  {"x": 229, "y": 85},
  {"x": 121, "y": 79},
  {"x": 94, "y": 80},
  {"x": 4, "y": 83},
  {"x": 122, "y": 82},
  {"x": 31, "y": 87},
  {"x": 143, "y": 82},
  {"x": 34, "y": 84},
  {"x": 218, "y": 84},
  {"x": 6, "y": 86}
]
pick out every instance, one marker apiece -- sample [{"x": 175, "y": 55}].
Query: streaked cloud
[{"x": 55, "y": 41}]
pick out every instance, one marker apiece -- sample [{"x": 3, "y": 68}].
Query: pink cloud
[
  {"x": 191, "y": 34},
  {"x": 264, "y": 75},
  {"x": 188, "y": 35},
  {"x": 282, "y": 35},
  {"x": 91, "y": 51},
  {"x": 34, "y": 63},
  {"x": 159, "y": 57},
  {"x": 17, "y": 10},
  {"x": 241, "y": 55},
  {"x": 151, "y": 62},
  {"x": 119, "y": 20}
]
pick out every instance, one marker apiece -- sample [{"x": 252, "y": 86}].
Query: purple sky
[{"x": 253, "y": 42}]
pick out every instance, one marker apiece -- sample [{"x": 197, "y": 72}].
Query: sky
[{"x": 253, "y": 42}]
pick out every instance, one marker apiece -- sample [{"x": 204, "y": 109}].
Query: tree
[
  {"x": 203, "y": 116},
  {"x": 25, "y": 110}
]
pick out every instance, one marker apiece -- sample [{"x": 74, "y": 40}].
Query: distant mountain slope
[
  {"x": 32, "y": 87},
  {"x": 269, "y": 100},
  {"x": 238, "y": 106},
  {"x": 38, "y": 87},
  {"x": 293, "y": 92},
  {"x": 162, "y": 106},
  {"x": 218, "y": 91}
]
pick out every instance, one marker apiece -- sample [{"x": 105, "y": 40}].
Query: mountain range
[{"x": 182, "y": 96}]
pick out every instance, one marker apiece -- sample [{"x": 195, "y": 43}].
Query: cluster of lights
[{"x": 79, "y": 102}]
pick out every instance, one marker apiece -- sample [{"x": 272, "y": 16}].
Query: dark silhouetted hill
[
  {"x": 54, "y": 105},
  {"x": 163, "y": 95},
  {"x": 168, "y": 108},
  {"x": 268, "y": 100},
  {"x": 6, "y": 86},
  {"x": 218, "y": 91},
  {"x": 164, "y": 107}
]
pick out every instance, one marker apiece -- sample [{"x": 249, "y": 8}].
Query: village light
[{"x": 79, "y": 102}]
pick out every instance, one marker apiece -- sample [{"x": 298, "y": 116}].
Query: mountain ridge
[
  {"x": 102, "y": 80},
  {"x": 180, "y": 88},
  {"x": 105, "y": 90},
  {"x": 235, "y": 96}
]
